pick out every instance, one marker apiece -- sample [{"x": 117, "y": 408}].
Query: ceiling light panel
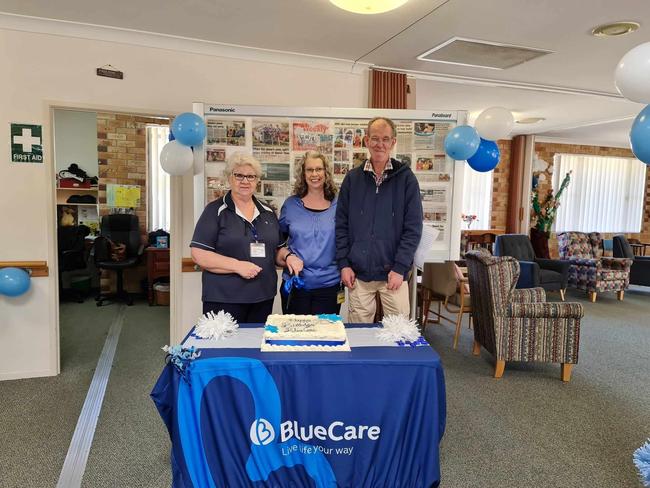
[
  {"x": 481, "y": 54},
  {"x": 368, "y": 6}
]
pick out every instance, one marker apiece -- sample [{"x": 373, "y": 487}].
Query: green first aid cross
[{"x": 26, "y": 143}]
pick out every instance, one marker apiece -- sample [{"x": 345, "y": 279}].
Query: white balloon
[
  {"x": 633, "y": 72},
  {"x": 175, "y": 158},
  {"x": 494, "y": 123}
]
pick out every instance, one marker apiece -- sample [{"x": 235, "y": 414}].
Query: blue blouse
[{"x": 311, "y": 237}]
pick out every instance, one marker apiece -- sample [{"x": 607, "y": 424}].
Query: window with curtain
[
  {"x": 605, "y": 193},
  {"x": 477, "y": 198},
  {"x": 158, "y": 181}
]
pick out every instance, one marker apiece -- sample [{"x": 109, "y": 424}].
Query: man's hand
[
  {"x": 348, "y": 277},
  {"x": 294, "y": 264},
  {"x": 395, "y": 280},
  {"x": 248, "y": 270}
]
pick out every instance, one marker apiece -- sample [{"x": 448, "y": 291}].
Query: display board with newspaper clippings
[{"x": 279, "y": 136}]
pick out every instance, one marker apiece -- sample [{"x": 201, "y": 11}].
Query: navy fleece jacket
[{"x": 378, "y": 229}]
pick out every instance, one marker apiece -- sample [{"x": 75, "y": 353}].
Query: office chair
[
  {"x": 71, "y": 246},
  {"x": 122, "y": 229},
  {"x": 640, "y": 269}
]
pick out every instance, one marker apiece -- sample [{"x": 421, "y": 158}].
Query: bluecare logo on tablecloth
[{"x": 262, "y": 432}]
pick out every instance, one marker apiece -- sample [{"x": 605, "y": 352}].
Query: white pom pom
[
  {"x": 216, "y": 326},
  {"x": 398, "y": 328}
]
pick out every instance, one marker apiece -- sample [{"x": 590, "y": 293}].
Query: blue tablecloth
[{"x": 372, "y": 417}]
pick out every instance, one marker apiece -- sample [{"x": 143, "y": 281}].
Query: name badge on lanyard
[{"x": 258, "y": 249}]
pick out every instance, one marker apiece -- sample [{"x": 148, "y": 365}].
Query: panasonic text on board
[{"x": 219, "y": 109}]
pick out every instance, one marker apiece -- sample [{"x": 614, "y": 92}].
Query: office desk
[
  {"x": 157, "y": 267},
  {"x": 238, "y": 417}
]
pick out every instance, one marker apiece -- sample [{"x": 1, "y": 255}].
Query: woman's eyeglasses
[
  {"x": 312, "y": 171},
  {"x": 241, "y": 177}
]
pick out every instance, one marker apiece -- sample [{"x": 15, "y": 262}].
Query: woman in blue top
[{"x": 307, "y": 218}]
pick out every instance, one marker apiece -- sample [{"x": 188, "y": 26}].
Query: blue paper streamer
[
  {"x": 181, "y": 357},
  {"x": 420, "y": 342}
]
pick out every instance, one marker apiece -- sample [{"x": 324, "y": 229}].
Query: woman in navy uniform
[{"x": 235, "y": 243}]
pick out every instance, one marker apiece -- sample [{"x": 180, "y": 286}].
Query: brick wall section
[
  {"x": 500, "y": 187},
  {"x": 121, "y": 146},
  {"x": 547, "y": 151}
]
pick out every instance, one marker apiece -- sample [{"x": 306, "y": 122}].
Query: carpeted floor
[
  {"x": 527, "y": 429},
  {"x": 131, "y": 447}
]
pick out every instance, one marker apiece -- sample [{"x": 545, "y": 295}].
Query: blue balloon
[
  {"x": 640, "y": 136},
  {"x": 462, "y": 142},
  {"x": 171, "y": 136},
  {"x": 189, "y": 129},
  {"x": 13, "y": 281},
  {"x": 486, "y": 157}
]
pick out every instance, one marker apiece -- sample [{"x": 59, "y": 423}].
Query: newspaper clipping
[
  {"x": 225, "y": 132},
  {"x": 270, "y": 133},
  {"x": 309, "y": 135}
]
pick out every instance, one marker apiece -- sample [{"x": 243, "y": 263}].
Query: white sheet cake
[{"x": 299, "y": 333}]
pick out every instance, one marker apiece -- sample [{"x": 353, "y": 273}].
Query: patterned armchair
[
  {"x": 589, "y": 270},
  {"x": 518, "y": 324}
]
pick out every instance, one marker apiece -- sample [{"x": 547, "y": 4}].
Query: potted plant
[{"x": 544, "y": 212}]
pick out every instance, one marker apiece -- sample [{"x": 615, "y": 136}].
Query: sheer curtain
[
  {"x": 477, "y": 197},
  {"x": 158, "y": 181},
  {"x": 605, "y": 193}
]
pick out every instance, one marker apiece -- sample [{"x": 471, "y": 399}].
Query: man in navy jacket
[{"x": 378, "y": 227}]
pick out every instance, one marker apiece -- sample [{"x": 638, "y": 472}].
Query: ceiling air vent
[{"x": 481, "y": 54}]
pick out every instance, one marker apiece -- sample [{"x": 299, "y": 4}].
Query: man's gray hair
[{"x": 385, "y": 119}]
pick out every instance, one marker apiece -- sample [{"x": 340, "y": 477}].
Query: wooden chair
[{"x": 446, "y": 284}]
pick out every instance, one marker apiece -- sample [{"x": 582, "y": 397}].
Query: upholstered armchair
[
  {"x": 550, "y": 274},
  {"x": 589, "y": 270},
  {"x": 518, "y": 324},
  {"x": 640, "y": 270}
]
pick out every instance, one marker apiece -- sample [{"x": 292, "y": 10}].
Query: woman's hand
[
  {"x": 294, "y": 264},
  {"x": 248, "y": 270}
]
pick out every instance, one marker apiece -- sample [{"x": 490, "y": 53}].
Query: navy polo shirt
[{"x": 221, "y": 230}]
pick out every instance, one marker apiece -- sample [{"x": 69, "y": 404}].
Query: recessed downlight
[
  {"x": 615, "y": 29},
  {"x": 530, "y": 120}
]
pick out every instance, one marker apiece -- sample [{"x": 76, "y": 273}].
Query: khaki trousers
[{"x": 362, "y": 305}]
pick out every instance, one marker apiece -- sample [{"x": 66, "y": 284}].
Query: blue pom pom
[{"x": 642, "y": 461}]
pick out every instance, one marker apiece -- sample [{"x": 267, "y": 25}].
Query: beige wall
[{"x": 42, "y": 69}]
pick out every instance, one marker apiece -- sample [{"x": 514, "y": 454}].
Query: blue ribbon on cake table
[
  {"x": 420, "y": 342},
  {"x": 279, "y": 342},
  {"x": 294, "y": 282}
]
